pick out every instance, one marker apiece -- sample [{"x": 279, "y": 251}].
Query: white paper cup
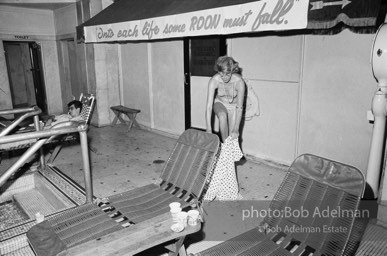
[
  {"x": 39, "y": 217},
  {"x": 193, "y": 217},
  {"x": 174, "y": 205},
  {"x": 174, "y": 215},
  {"x": 182, "y": 218}
]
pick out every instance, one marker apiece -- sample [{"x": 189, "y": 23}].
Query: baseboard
[
  {"x": 165, "y": 133},
  {"x": 268, "y": 162}
]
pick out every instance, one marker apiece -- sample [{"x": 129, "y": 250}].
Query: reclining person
[{"x": 74, "y": 114}]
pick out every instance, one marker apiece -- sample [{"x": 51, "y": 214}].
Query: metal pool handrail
[
  {"x": 33, "y": 111},
  {"x": 46, "y": 136}
]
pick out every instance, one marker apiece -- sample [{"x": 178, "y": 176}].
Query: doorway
[
  {"x": 25, "y": 74},
  {"x": 200, "y": 54}
]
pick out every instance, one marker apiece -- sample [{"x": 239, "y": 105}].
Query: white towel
[{"x": 223, "y": 185}]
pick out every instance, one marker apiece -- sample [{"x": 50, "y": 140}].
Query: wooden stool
[{"x": 129, "y": 112}]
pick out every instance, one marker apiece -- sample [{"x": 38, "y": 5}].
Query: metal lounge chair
[
  {"x": 183, "y": 179},
  {"x": 312, "y": 185}
]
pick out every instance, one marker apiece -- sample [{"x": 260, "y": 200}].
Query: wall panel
[{"x": 135, "y": 80}]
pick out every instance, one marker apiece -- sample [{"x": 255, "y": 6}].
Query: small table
[
  {"x": 137, "y": 238},
  {"x": 129, "y": 112}
]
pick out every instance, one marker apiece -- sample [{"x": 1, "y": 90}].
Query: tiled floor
[{"x": 122, "y": 160}]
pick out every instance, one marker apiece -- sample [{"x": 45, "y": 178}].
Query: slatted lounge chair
[
  {"x": 313, "y": 184},
  {"x": 183, "y": 179}
]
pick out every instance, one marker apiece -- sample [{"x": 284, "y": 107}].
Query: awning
[{"x": 131, "y": 20}]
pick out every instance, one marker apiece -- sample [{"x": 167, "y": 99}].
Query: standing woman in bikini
[{"x": 226, "y": 91}]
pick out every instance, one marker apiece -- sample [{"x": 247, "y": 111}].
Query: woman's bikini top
[{"x": 227, "y": 91}]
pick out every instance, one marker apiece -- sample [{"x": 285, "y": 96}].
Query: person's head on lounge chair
[
  {"x": 75, "y": 108},
  {"x": 73, "y": 114}
]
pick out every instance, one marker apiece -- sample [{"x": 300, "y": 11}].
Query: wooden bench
[{"x": 129, "y": 112}]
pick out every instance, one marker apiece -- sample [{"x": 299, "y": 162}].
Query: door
[
  {"x": 24, "y": 66},
  {"x": 200, "y": 54}
]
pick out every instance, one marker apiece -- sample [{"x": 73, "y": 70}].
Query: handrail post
[
  {"x": 86, "y": 166},
  {"x": 37, "y": 127}
]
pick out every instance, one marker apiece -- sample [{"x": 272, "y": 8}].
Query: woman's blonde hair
[{"x": 226, "y": 64}]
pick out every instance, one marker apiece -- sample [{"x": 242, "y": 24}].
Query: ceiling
[{"x": 45, "y": 5}]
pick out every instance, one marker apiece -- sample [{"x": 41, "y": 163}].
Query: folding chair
[
  {"x": 312, "y": 185},
  {"x": 184, "y": 178},
  {"x": 88, "y": 102}
]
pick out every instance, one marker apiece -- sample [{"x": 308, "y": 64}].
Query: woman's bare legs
[
  {"x": 221, "y": 112},
  {"x": 223, "y": 125},
  {"x": 231, "y": 120}
]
